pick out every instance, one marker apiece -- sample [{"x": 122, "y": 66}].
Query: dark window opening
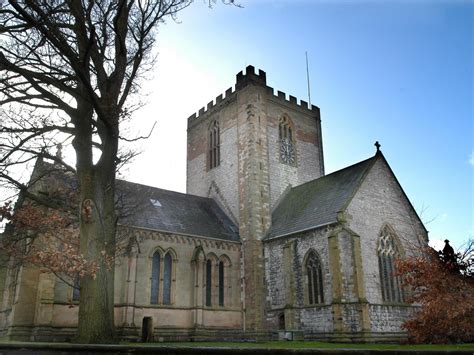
[
  {"x": 214, "y": 145},
  {"x": 221, "y": 284},
  {"x": 209, "y": 283}
]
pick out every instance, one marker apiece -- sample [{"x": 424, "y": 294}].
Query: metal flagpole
[{"x": 307, "y": 77}]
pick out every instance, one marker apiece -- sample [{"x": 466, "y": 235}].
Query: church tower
[{"x": 245, "y": 149}]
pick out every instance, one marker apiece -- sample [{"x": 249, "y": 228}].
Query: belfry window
[
  {"x": 387, "y": 253},
  {"x": 161, "y": 278},
  {"x": 314, "y": 277},
  {"x": 286, "y": 137},
  {"x": 214, "y": 145}
]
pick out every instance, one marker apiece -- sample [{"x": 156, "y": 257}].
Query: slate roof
[
  {"x": 152, "y": 208},
  {"x": 317, "y": 202}
]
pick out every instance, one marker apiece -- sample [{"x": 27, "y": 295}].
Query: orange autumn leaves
[{"x": 445, "y": 293}]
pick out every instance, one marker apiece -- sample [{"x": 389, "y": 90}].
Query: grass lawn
[
  {"x": 235, "y": 345},
  {"x": 308, "y": 345}
]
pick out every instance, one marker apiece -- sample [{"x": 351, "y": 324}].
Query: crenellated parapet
[{"x": 251, "y": 77}]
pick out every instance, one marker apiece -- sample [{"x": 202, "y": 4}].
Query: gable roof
[
  {"x": 148, "y": 207},
  {"x": 317, "y": 202},
  {"x": 157, "y": 209}
]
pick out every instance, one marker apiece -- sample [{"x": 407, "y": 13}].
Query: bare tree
[{"x": 68, "y": 69}]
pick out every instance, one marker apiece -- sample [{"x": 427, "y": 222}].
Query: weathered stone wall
[
  {"x": 133, "y": 287},
  {"x": 308, "y": 145},
  {"x": 317, "y": 319},
  {"x": 249, "y": 143},
  {"x": 389, "y": 318},
  {"x": 183, "y": 284},
  {"x": 378, "y": 202},
  {"x": 284, "y": 295},
  {"x": 220, "y": 183}
]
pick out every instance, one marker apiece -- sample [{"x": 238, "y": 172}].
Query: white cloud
[{"x": 471, "y": 158}]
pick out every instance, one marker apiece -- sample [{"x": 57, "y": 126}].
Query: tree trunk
[
  {"x": 97, "y": 234},
  {"x": 97, "y": 243}
]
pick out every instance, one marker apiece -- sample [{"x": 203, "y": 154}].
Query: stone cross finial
[{"x": 377, "y": 145}]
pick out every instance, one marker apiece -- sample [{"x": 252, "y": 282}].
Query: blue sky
[{"x": 400, "y": 72}]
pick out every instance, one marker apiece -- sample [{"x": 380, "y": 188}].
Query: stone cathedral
[{"x": 263, "y": 243}]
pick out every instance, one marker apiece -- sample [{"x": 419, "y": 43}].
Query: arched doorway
[
  {"x": 281, "y": 321},
  {"x": 147, "y": 329}
]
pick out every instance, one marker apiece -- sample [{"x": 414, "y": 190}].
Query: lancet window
[
  {"x": 214, "y": 145},
  {"x": 217, "y": 280},
  {"x": 221, "y": 283},
  {"x": 162, "y": 269},
  {"x": 209, "y": 283}
]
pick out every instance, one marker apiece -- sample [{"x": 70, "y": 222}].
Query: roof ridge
[{"x": 166, "y": 190}]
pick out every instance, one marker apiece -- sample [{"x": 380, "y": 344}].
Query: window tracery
[
  {"x": 314, "y": 277},
  {"x": 387, "y": 252}
]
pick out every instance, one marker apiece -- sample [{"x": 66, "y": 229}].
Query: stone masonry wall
[
  {"x": 220, "y": 183},
  {"x": 380, "y": 201},
  {"x": 388, "y": 318},
  {"x": 250, "y": 177},
  {"x": 308, "y": 146},
  {"x": 133, "y": 286},
  {"x": 310, "y": 318}
]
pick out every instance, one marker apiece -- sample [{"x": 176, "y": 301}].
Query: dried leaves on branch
[
  {"x": 443, "y": 285},
  {"x": 46, "y": 237},
  {"x": 69, "y": 70}
]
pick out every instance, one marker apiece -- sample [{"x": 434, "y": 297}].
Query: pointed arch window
[
  {"x": 162, "y": 281},
  {"x": 387, "y": 252},
  {"x": 285, "y": 129},
  {"x": 209, "y": 283},
  {"x": 168, "y": 262},
  {"x": 314, "y": 277},
  {"x": 214, "y": 145},
  {"x": 155, "y": 278},
  {"x": 221, "y": 283},
  {"x": 286, "y": 137}
]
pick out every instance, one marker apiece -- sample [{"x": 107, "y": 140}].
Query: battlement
[
  {"x": 251, "y": 77},
  {"x": 211, "y": 104}
]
